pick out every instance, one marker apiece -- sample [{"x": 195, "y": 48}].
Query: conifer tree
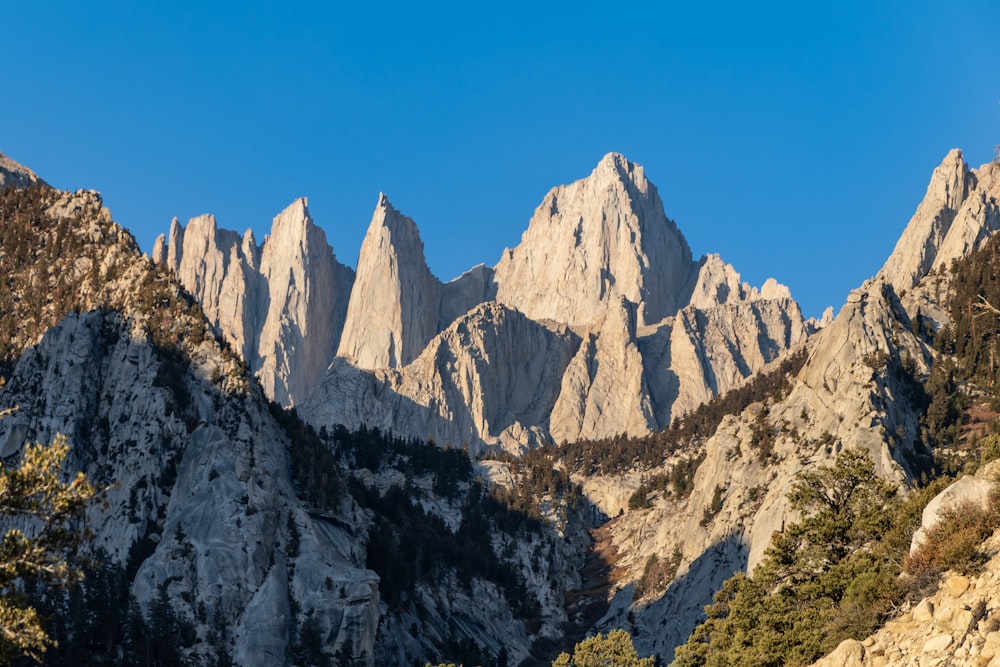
[{"x": 41, "y": 517}]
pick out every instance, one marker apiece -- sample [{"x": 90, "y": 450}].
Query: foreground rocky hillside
[{"x": 602, "y": 287}]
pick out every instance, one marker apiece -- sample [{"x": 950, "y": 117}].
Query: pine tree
[{"x": 42, "y": 515}]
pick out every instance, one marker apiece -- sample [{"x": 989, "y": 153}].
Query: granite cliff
[{"x": 600, "y": 261}]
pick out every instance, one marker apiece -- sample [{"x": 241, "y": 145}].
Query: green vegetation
[
  {"x": 613, "y": 650},
  {"x": 539, "y": 484},
  {"x": 968, "y": 370},
  {"x": 831, "y": 576},
  {"x": 50, "y": 512}
]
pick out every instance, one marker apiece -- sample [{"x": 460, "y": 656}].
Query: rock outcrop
[
  {"x": 592, "y": 241},
  {"x": 604, "y": 390},
  {"x": 393, "y": 310},
  {"x": 307, "y": 296},
  {"x": 957, "y": 625},
  {"x": 959, "y": 211},
  {"x": 221, "y": 271},
  {"x": 282, "y": 305},
  {"x": 16, "y": 175},
  {"x": 489, "y": 380}
]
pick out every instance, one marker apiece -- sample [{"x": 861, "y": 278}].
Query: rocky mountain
[
  {"x": 636, "y": 445},
  {"x": 956, "y": 215},
  {"x": 393, "y": 311},
  {"x": 592, "y": 242},
  {"x": 862, "y": 386},
  {"x": 228, "y": 531},
  {"x": 600, "y": 263},
  {"x": 282, "y": 305}
]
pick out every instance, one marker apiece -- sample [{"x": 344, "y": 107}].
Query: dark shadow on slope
[{"x": 666, "y": 623}]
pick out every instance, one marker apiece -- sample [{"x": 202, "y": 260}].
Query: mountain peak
[
  {"x": 388, "y": 217},
  {"x": 393, "y": 310},
  {"x": 592, "y": 240},
  {"x": 615, "y": 167},
  {"x": 15, "y": 174},
  {"x": 948, "y": 223}
]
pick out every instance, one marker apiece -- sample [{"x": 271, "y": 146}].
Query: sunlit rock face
[
  {"x": 593, "y": 241},
  {"x": 599, "y": 258},
  {"x": 960, "y": 210},
  {"x": 394, "y": 305},
  {"x": 282, "y": 304}
]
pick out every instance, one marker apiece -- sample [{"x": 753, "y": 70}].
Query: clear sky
[{"x": 794, "y": 139}]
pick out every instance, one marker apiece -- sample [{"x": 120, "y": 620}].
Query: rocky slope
[
  {"x": 957, "y": 624},
  {"x": 860, "y": 387},
  {"x": 841, "y": 398}
]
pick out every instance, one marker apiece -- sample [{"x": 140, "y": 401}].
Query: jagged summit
[
  {"x": 617, "y": 166},
  {"x": 958, "y": 212},
  {"x": 393, "y": 309},
  {"x": 15, "y": 174},
  {"x": 593, "y": 240},
  {"x": 294, "y": 219},
  {"x": 281, "y": 304},
  {"x": 598, "y": 254}
]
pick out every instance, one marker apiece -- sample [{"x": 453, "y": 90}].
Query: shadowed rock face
[
  {"x": 490, "y": 379},
  {"x": 198, "y": 508},
  {"x": 221, "y": 522}
]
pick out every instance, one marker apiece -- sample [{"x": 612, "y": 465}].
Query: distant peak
[
  {"x": 389, "y": 217},
  {"x": 615, "y": 167},
  {"x": 297, "y": 211},
  {"x": 616, "y": 162},
  {"x": 384, "y": 204},
  {"x": 954, "y": 156},
  {"x": 615, "y": 159},
  {"x": 298, "y": 208}
]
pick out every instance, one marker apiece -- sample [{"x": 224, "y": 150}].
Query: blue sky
[{"x": 795, "y": 139}]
